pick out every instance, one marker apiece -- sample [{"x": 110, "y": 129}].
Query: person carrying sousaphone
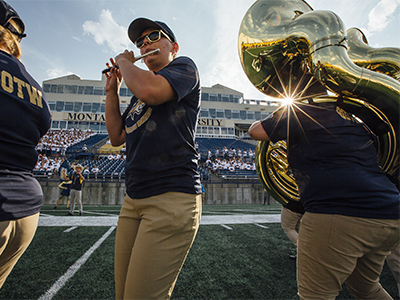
[{"x": 352, "y": 210}]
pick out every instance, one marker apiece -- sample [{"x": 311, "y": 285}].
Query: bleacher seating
[
  {"x": 206, "y": 144},
  {"x": 90, "y": 143},
  {"x": 115, "y": 168}
]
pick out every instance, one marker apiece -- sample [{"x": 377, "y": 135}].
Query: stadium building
[
  {"x": 225, "y": 116},
  {"x": 80, "y": 103}
]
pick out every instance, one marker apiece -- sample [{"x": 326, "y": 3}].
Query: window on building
[
  {"x": 257, "y": 115},
  {"x": 123, "y": 107},
  {"x": 102, "y": 108},
  {"x": 63, "y": 124},
  {"x": 220, "y": 113},
  {"x": 214, "y": 97},
  {"x": 225, "y": 98},
  {"x": 95, "y": 107},
  {"x": 77, "y": 106},
  {"x": 243, "y": 114},
  {"x": 59, "y": 105},
  {"x": 98, "y": 91},
  {"x": 228, "y": 114},
  {"x": 264, "y": 115},
  {"x": 231, "y": 131},
  {"x": 71, "y": 89},
  {"x": 224, "y": 130},
  {"x": 204, "y": 97},
  {"x": 210, "y": 130},
  {"x": 204, "y": 112},
  {"x": 250, "y": 115},
  {"x": 103, "y": 127},
  {"x": 52, "y": 105},
  {"x": 212, "y": 112},
  {"x": 81, "y": 89},
  {"x": 87, "y": 107},
  {"x": 237, "y": 99},
  {"x": 69, "y": 106},
  {"x": 95, "y": 126},
  {"x": 122, "y": 92},
  {"x": 46, "y": 88},
  {"x": 235, "y": 114},
  {"x": 89, "y": 90},
  {"x": 53, "y": 88},
  {"x": 216, "y": 130},
  {"x": 60, "y": 89},
  {"x": 54, "y": 125},
  {"x": 72, "y": 124}
]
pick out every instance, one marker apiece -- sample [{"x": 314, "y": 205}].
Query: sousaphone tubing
[{"x": 287, "y": 48}]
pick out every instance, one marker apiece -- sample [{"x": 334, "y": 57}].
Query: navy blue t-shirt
[
  {"x": 24, "y": 119},
  {"x": 334, "y": 162},
  {"x": 161, "y": 156}
]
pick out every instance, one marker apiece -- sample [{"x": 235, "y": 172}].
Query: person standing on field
[{"x": 161, "y": 212}]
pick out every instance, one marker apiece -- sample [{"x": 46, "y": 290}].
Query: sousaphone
[{"x": 286, "y": 47}]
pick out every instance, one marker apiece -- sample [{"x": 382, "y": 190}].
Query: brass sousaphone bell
[{"x": 286, "y": 47}]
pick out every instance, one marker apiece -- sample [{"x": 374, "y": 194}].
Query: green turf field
[{"x": 238, "y": 261}]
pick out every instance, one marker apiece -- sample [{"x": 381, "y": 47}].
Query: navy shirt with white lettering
[
  {"x": 161, "y": 156},
  {"x": 25, "y": 115},
  {"x": 24, "y": 119}
]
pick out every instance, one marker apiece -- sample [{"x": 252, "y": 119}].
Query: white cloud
[
  {"x": 55, "y": 73},
  {"x": 380, "y": 15},
  {"x": 108, "y": 31}
]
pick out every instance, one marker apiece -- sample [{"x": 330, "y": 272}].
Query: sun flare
[{"x": 287, "y": 101}]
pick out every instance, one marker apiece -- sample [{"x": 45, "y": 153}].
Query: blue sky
[{"x": 79, "y": 36}]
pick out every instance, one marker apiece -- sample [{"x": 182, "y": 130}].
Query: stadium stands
[{"x": 110, "y": 161}]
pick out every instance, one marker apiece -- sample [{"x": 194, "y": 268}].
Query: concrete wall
[{"x": 113, "y": 192}]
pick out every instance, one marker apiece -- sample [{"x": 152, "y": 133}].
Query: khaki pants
[
  {"x": 335, "y": 249},
  {"x": 15, "y": 237},
  {"x": 290, "y": 223},
  {"x": 76, "y": 196},
  {"x": 153, "y": 238},
  {"x": 393, "y": 260}
]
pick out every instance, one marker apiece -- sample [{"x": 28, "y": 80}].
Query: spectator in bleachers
[
  {"x": 60, "y": 140},
  {"x": 216, "y": 153},
  {"x": 225, "y": 152},
  {"x": 86, "y": 171},
  {"x": 95, "y": 169},
  {"x": 84, "y": 148},
  {"x": 239, "y": 153}
]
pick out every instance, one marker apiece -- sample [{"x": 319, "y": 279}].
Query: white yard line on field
[
  {"x": 259, "y": 225},
  {"x": 74, "y": 268},
  {"x": 69, "y": 221},
  {"x": 70, "y": 229},
  {"x": 227, "y": 227}
]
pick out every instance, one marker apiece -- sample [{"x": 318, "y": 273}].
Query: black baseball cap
[
  {"x": 139, "y": 25},
  {"x": 6, "y": 14}
]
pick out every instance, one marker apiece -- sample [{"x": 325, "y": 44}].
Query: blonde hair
[{"x": 9, "y": 41}]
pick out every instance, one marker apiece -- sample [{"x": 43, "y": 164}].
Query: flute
[{"x": 136, "y": 59}]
